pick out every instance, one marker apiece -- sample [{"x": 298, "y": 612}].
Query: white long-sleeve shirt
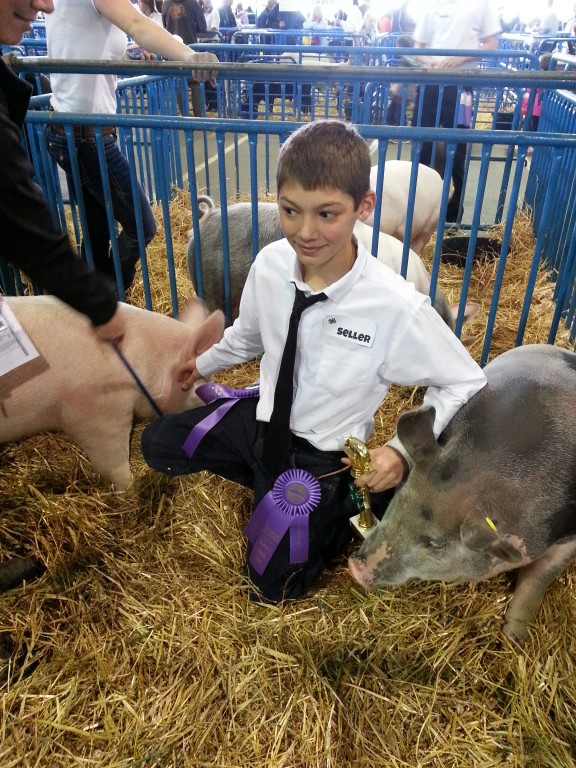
[{"x": 374, "y": 330}]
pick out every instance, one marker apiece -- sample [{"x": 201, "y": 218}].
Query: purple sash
[
  {"x": 286, "y": 507},
  {"x": 208, "y": 393}
]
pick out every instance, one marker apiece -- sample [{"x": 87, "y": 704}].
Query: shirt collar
[{"x": 341, "y": 287}]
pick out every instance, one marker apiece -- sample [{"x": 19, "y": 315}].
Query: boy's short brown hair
[{"x": 326, "y": 154}]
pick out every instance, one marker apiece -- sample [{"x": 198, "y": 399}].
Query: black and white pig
[
  {"x": 240, "y": 249},
  {"x": 496, "y": 491}
]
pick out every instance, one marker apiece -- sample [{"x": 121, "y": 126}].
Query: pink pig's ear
[
  {"x": 194, "y": 313},
  {"x": 208, "y": 333}
]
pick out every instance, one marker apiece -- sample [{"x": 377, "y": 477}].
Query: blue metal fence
[{"x": 231, "y": 157}]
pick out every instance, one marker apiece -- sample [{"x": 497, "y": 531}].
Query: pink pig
[
  {"x": 80, "y": 386},
  {"x": 394, "y": 201}
]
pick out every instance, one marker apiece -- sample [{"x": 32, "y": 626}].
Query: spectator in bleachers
[
  {"x": 270, "y": 16},
  {"x": 227, "y": 17},
  {"x": 211, "y": 15},
  {"x": 549, "y": 24},
  {"x": 152, "y": 9},
  {"x": 241, "y": 16},
  {"x": 292, "y": 20},
  {"x": 452, "y": 24},
  {"x": 570, "y": 25},
  {"x": 109, "y": 23},
  {"x": 349, "y": 20},
  {"x": 369, "y": 27},
  {"x": 385, "y": 24},
  {"x": 317, "y": 22},
  {"x": 364, "y": 7}
]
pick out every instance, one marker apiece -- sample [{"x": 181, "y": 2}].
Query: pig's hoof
[{"x": 515, "y": 630}]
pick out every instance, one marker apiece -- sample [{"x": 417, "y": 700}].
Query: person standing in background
[
  {"x": 270, "y": 16},
  {"x": 227, "y": 18},
  {"x": 109, "y": 23},
  {"x": 211, "y": 15},
  {"x": 241, "y": 16},
  {"x": 152, "y": 9},
  {"x": 549, "y": 23},
  {"x": 186, "y": 20},
  {"x": 454, "y": 25}
]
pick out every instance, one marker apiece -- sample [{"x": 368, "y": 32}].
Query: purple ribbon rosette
[
  {"x": 208, "y": 393},
  {"x": 286, "y": 508}
]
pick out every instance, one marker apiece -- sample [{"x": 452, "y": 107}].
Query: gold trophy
[{"x": 358, "y": 454}]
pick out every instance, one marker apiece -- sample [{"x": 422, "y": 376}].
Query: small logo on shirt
[{"x": 355, "y": 329}]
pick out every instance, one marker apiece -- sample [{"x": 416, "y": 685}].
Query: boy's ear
[{"x": 367, "y": 205}]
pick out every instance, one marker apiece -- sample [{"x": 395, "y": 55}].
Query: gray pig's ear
[
  {"x": 477, "y": 534},
  {"x": 416, "y": 434}
]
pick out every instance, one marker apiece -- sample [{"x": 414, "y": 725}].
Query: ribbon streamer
[
  {"x": 208, "y": 393},
  {"x": 286, "y": 508}
]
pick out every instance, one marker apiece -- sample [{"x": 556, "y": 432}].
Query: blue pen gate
[{"x": 231, "y": 158}]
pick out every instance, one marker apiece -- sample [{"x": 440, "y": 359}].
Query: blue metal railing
[{"x": 166, "y": 150}]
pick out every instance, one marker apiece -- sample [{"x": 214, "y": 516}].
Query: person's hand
[
  {"x": 139, "y": 54},
  {"x": 114, "y": 329},
  {"x": 388, "y": 469},
  {"x": 449, "y": 62},
  {"x": 199, "y": 75},
  {"x": 187, "y": 374}
]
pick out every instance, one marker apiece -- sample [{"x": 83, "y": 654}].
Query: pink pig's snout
[{"x": 361, "y": 572}]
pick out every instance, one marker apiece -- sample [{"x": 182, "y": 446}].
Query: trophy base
[{"x": 362, "y": 532}]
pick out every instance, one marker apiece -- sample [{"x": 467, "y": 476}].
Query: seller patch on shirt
[{"x": 355, "y": 329}]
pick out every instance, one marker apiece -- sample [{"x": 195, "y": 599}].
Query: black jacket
[
  {"x": 184, "y": 18},
  {"x": 30, "y": 240},
  {"x": 269, "y": 18},
  {"x": 227, "y": 18}
]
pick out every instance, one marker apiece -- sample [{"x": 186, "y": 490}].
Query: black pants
[
  {"x": 233, "y": 449},
  {"x": 448, "y": 111}
]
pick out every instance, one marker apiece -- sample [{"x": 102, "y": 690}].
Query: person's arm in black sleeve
[
  {"x": 31, "y": 241},
  {"x": 200, "y": 19}
]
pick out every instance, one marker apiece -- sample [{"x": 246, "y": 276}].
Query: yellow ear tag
[{"x": 491, "y": 524}]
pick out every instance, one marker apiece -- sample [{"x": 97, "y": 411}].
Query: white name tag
[
  {"x": 15, "y": 346},
  {"x": 355, "y": 329}
]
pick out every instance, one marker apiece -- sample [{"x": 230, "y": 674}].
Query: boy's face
[{"x": 318, "y": 224}]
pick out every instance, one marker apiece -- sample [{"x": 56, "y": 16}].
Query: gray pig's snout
[{"x": 360, "y": 572}]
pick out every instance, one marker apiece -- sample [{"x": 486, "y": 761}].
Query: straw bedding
[{"x": 139, "y": 648}]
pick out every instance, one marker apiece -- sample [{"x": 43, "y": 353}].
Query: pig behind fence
[
  {"x": 240, "y": 248},
  {"x": 496, "y": 492},
  {"x": 81, "y": 387},
  {"x": 394, "y": 194}
]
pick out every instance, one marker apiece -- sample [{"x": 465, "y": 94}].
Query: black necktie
[{"x": 278, "y": 438}]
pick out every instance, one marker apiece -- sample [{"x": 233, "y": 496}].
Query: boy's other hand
[
  {"x": 388, "y": 469},
  {"x": 187, "y": 374}
]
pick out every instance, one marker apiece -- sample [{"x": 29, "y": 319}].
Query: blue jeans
[
  {"x": 448, "y": 112},
  {"x": 98, "y": 233}
]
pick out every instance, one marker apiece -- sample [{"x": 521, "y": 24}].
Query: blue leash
[{"x": 138, "y": 381}]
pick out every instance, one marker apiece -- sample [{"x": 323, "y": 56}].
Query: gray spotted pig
[
  {"x": 80, "y": 385},
  {"x": 496, "y": 491},
  {"x": 239, "y": 217}
]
